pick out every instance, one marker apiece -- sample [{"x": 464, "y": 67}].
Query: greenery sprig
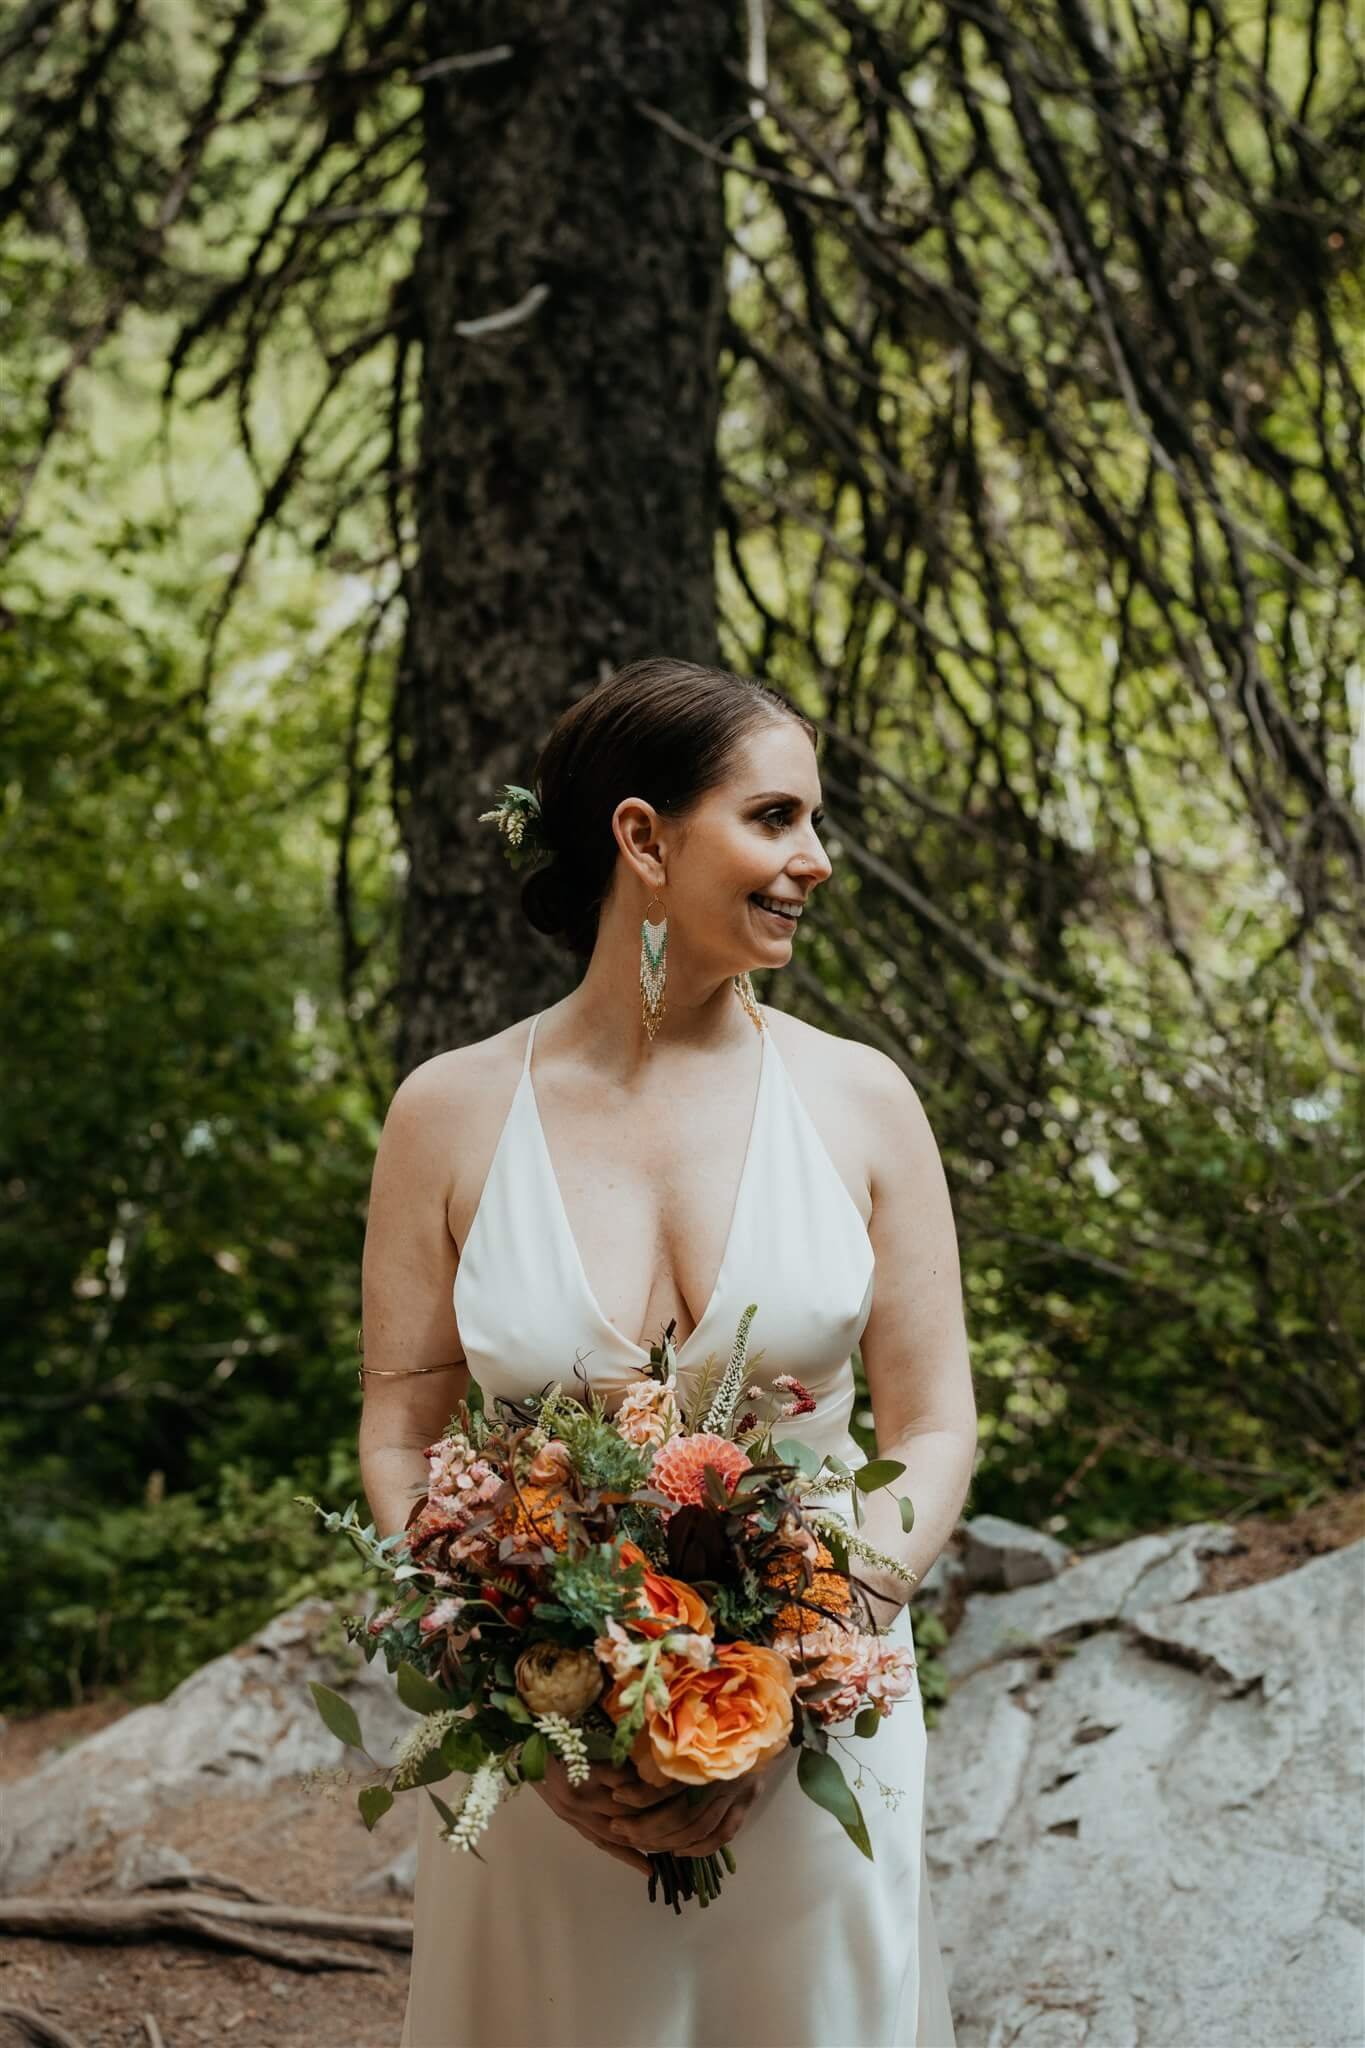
[{"x": 518, "y": 818}]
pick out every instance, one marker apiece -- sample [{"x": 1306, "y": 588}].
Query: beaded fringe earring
[
  {"x": 654, "y": 974},
  {"x": 653, "y": 969},
  {"x": 744, "y": 988}
]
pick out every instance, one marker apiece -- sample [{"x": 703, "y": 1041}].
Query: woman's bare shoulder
[
  {"x": 443, "y": 1110},
  {"x": 834, "y": 1057}
]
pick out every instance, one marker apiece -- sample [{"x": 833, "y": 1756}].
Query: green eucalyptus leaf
[
  {"x": 430, "y": 1769},
  {"x": 877, "y": 1472},
  {"x": 793, "y": 1451},
  {"x": 533, "y": 1754},
  {"x": 907, "y": 1508},
  {"x": 821, "y": 1779},
  {"x": 463, "y": 1750},
  {"x": 446, "y": 1815},
  {"x": 419, "y": 1692},
  {"x": 373, "y": 1801},
  {"x": 338, "y": 1714}
]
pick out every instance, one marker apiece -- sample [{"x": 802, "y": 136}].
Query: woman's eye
[{"x": 783, "y": 817}]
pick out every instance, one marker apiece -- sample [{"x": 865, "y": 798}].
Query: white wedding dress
[{"x": 551, "y": 1943}]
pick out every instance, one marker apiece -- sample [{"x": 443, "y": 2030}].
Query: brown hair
[{"x": 660, "y": 729}]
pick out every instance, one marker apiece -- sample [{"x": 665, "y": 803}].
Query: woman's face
[{"x": 755, "y": 835}]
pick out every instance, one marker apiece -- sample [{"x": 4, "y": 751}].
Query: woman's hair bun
[{"x": 545, "y": 898}]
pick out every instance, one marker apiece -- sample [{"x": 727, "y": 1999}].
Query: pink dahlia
[{"x": 679, "y": 1467}]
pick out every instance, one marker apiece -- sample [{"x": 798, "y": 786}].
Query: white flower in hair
[{"x": 517, "y": 818}]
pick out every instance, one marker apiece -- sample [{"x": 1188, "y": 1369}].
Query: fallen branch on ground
[
  {"x": 186, "y": 1881},
  {"x": 224, "y": 1923},
  {"x": 33, "y": 2030}
]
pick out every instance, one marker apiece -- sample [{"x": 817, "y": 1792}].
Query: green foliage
[
  {"x": 602, "y": 1456},
  {"x": 534, "y": 1753},
  {"x": 338, "y": 1714},
  {"x": 821, "y": 1779},
  {"x": 374, "y": 1802},
  {"x": 140, "y": 1596},
  {"x": 592, "y": 1588}
]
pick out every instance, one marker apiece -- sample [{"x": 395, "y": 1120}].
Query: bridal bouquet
[{"x": 659, "y": 1584}]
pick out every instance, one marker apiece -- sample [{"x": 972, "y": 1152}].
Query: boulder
[
  {"x": 1145, "y": 1806},
  {"x": 241, "y": 1723},
  {"x": 998, "y": 1555}
]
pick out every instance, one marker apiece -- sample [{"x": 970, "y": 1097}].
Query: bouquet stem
[{"x": 687, "y": 1877}]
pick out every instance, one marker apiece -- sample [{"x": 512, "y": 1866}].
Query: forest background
[{"x": 986, "y": 375}]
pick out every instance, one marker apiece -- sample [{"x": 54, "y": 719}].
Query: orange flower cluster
[
  {"x": 828, "y": 1589},
  {"x": 530, "y": 1520}
]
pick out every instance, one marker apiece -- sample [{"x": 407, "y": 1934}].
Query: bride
[{"x": 656, "y": 1150}]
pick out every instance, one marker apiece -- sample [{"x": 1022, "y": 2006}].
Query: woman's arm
[
  {"x": 914, "y": 1348},
  {"x": 409, "y": 1268},
  {"x": 408, "y": 1275}
]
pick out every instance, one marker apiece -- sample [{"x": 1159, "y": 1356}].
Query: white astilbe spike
[
  {"x": 825, "y": 1482},
  {"x": 721, "y": 1412},
  {"x": 429, "y": 1734},
  {"x": 567, "y": 1740},
  {"x": 478, "y": 1805},
  {"x": 860, "y": 1547}
]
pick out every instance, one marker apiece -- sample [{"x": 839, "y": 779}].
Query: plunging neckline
[{"x": 640, "y": 1350}]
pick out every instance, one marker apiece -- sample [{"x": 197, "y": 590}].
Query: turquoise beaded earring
[{"x": 653, "y": 968}]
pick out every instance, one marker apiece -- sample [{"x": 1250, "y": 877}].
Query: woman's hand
[
  {"x": 592, "y": 1808},
  {"x": 655, "y": 1818}
]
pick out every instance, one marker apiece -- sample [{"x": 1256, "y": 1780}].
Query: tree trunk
[{"x": 567, "y": 500}]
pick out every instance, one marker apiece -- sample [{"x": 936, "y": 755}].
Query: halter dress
[{"x": 549, "y": 1942}]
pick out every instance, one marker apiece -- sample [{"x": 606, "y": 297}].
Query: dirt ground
[
  {"x": 305, "y": 1846},
  {"x": 308, "y": 1846}
]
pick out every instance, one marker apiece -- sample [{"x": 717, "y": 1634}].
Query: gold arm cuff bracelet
[{"x": 402, "y": 1372}]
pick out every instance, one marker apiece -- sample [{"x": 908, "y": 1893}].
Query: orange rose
[
  {"x": 720, "y": 1723},
  {"x": 668, "y": 1603}
]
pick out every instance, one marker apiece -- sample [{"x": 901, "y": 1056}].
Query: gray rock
[
  {"x": 942, "y": 1580},
  {"x": 140, "y": 1863},
  {"x": 242, "y": 1723},
  {"x": 998, "y": 1555},
  {"x": 1153, "y": 1836},
  {"x": 399, "y": 1875},
  {"x": 1087, "y": 1595}
]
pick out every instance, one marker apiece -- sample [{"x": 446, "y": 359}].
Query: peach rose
[
  {"x": 719, "y": 1723},
  {"x": 668, "y": 1603},
  {"x": 552, "y": 1463}
]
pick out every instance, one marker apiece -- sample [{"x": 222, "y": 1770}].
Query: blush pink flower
[
  {"x": 440, "y": 1616},
  {"x": 648, "y": 1414},
  {"x": 679, "y": 1468},
  {"x": 831, "y": 1653},
  {"x": 893, "y": 1674}
]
